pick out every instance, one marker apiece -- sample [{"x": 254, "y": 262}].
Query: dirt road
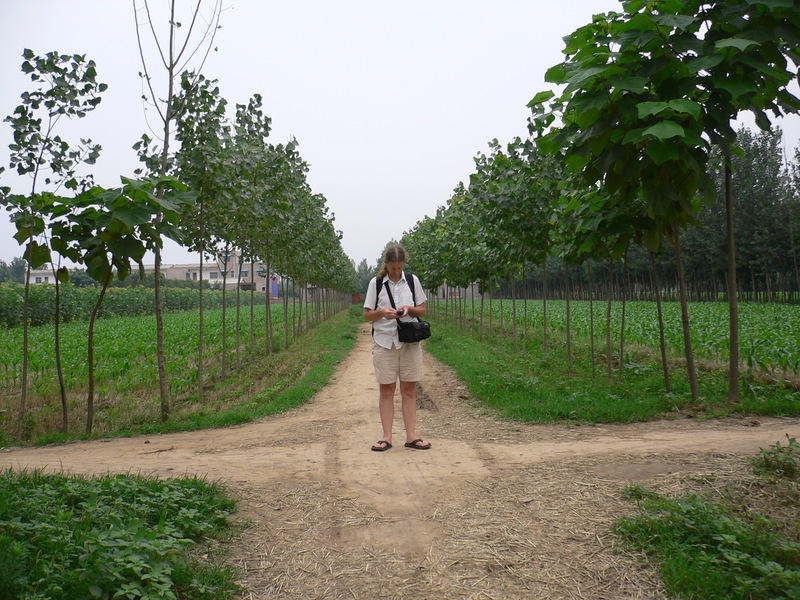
[{"x": 495, "y": 510}]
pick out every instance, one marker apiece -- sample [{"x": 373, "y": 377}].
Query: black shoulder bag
[{"x": 412, "y": 331}]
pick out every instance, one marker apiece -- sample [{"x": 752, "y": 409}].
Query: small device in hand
[{"x": 400, "y": 312}]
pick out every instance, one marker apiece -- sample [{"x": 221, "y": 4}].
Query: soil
[{"x": 495, "y": 510}]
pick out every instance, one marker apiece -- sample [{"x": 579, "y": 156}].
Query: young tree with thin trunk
[
  {"x": 65, "y": 86},
  {"x": 174, "y": 54}
]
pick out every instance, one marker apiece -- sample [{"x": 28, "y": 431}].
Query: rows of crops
[
  {"x": 769, "y": 333},
  {"x": 125, "y": 351},
  {"x": 76, "y": 303}
]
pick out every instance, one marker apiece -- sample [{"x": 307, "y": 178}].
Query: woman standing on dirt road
[{"x": 391, "y": 358}]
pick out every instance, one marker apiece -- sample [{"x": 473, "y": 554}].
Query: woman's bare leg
[{"x": 386, "y": 408}]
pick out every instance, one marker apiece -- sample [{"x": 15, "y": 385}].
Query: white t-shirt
[{"x": 385, "y": 330}]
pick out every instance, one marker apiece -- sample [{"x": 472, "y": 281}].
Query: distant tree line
[{"x": 13, "y": 271}]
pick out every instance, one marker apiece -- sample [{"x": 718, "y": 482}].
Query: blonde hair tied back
[{"x": 394, "y": 253}]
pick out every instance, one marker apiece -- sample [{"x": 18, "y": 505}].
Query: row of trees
[
  {"x": 767, "y": 223},
  {"x": 638, "y": 139},
  {"x": 212, "y": 183}
]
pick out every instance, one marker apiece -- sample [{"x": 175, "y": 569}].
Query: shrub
[{"x": 778, "y": 460}]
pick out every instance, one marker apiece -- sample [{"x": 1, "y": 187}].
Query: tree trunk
[
  {"x": 491, "y": 316},
  {"x": 239, "y": 312},
  {"x": 252, "y": 307},
  {"x": 622, "y": 319},
  {"x": 160, "y": 359},
  {"x": 62, "y": 388},
  {"x": 544, "y": 310},
  {"x": 567, "y": 298},
  {"x": 268, "y": 308},
  {"x": 609, "y": 373},
  {"x": 591, "y": 329},
  {"x": 224, "y": 367},
  {"x": 687, "y": 338},
  {"x": 733, "y": 307},
  {"x": 90, "y": 354},
  {"x": 662, "y": 340},
  {"x": 286, "y": 328},
  {"x": 25, "y": 345},
  {"x": 514, "y": 315},
  {"x": 201, "y": 330},
  {"x": 480, "y": 328},
  {"x": 168, "y": 115}
]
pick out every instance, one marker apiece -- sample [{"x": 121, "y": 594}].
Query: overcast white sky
[{"x": 390, "y": 101}]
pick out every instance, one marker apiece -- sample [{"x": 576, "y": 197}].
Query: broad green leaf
[
  {"x": 581, "y": 75},
  {"x": 735, "y": 85},
  {"x": 127, "y": 247},
  {"x": 685, "y": 106},
  {"x": 590, "y": 101},
  {"x": 634, "y": 136},
  {"x": 132, "y": 215},
  {"x": 636, "y": 38},
  {"x": 677, "y": 21},
  {"x": 738, "y": 43},
  {"x": 556, "y": 74},
  {"x": 63, "y": 274},
  {"x": 541, "y": 97},
  {"x": 628, "y": 82},
  {"x": 665, "y": 130},
  {"x": 762, "y": 120},
  {"x": 37, "y": 255},
  {"x": 661, "y": 152},
  {"x": 650, "y": 108}
]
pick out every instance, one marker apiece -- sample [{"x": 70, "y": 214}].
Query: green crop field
[
  {"x": 126, "y": 373},
  {"x": 769, "y": 333}
]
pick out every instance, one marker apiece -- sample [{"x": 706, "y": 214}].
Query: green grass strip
[{"x": 528, "y": 387}]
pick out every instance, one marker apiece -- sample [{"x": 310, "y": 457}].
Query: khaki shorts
[{"x": 404, "y": 362}]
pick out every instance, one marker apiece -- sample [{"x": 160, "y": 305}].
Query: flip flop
[
  {"x": 381, "y": 446},
  {"x": 416, "y": 444}
]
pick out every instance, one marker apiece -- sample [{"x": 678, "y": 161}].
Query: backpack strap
[
  {"x": 410, "y": 282},
  {"x": 378, "y": 282}
]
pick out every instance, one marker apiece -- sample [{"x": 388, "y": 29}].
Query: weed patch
[
  {"x": 721, "y": 550},
  {"x": 114, "y": 537}
]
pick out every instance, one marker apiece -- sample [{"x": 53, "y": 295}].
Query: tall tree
[
  {"x": 174, "y": 54},
  {"x": 110, "y": 229},
  {"x": 65, "y": 86},
  {"x": 204, "y": 138},
  {"x": 647, "y": 88}
]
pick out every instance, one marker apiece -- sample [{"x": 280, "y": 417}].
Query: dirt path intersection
[{"x": 495, "y": 510}]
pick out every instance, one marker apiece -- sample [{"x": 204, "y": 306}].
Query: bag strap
[
  {"x": 389, "y": 293},
  {"x": 391, "y": 299}
]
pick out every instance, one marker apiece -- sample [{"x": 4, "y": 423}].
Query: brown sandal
[{"x": 418, "y": 445}]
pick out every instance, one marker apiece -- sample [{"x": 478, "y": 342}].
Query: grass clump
[
  {"x": 720, "y": 550},
  {"x": 121, "y": 536},
  {"x": 779, "y": 461}
]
